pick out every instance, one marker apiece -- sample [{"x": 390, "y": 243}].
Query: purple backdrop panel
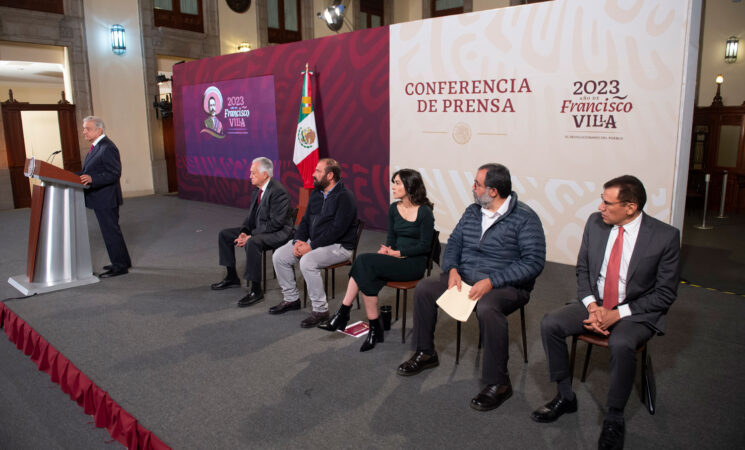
[
  {"x": 227, "y": 124},
  {"x": 350, "y": 98}
]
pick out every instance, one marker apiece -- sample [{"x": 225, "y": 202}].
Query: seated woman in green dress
[{"x": 411, "y": 226}]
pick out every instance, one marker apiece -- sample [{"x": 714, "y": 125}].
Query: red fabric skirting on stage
[{"x": 94, "y": 400}]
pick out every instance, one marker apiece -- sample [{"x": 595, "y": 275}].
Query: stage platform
[{"x": 199, "y": 372}]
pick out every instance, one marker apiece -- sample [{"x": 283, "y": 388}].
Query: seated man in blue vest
[{"x": 498, "y": 247}]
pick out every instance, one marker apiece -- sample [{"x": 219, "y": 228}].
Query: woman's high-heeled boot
[
  {"x": 338, "y": 321},
  {"x": 374, "y": 336}
]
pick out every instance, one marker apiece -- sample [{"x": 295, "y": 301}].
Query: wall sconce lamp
[
  {"x": 118, "y": 44},
  {"x": 244, "y": 47},
  {"x": 717, "y": 101},
  {"x": 730, "y": 50},
  {"x": 333, "y": 15}
]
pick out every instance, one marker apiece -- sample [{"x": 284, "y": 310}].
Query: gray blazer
[{"x": 652, "y": 277}]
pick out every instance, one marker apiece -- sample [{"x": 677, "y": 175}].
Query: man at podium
[{"x": 102, "y": 169}]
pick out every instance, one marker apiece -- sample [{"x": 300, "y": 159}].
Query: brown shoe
[{"x": 314, "y": 319}]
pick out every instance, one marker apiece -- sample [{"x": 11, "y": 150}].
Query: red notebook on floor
[{"x": 356, "y": 329}]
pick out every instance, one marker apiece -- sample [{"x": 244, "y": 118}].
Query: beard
[
  {"x": 484, "y": 201},
  {"x": 321, "y": 185}
]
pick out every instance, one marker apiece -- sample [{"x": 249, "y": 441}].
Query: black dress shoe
[
  {"x": 251, "y": 299},
  {"x": 314, "y": 319},
  {"x": 374, "y": 336},
  {"x": 491, "y": 397},
  {"x": 338, "y": 321},
  {"x": 554, "y": 409},
  {"x": 612, "y": 436},
  {"x": 109, "y": 267},
  {"x": 283, "y": 306},
  {"x": 113, "y": 272},
  {"x": 225, "y": 283},
  {"x": 418, "y": 362}
]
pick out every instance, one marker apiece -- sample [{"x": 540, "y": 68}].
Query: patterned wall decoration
[
  {"x": 566, "y": 94},
  {"x": 350, "y": 99}
]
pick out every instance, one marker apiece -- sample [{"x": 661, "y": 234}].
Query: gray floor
[{"x": 201, "y": 373}]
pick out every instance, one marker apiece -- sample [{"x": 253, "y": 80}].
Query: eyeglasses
[{"x": 607, "y": 203}]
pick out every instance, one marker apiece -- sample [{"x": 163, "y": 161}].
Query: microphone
[{"x": 53, "y": 154}]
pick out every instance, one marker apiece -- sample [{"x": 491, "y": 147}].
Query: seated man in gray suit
[
  {"x": 267, "y": 226},
  {"x": 627, "y": 278}
]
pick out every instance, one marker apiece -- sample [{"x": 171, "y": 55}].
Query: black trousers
[
  {"x": 492, "y": 311},
  {"x": 253, "y": 248},
  {"x": 625, "y": 337},
  {"x": 108, "y": 222}
]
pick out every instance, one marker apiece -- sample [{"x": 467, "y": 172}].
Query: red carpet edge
[{"x": 96, "y": 402}]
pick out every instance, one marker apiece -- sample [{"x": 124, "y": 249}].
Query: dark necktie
[
  {"x": 259, "y": 199},
  {"x": 91, "y": 149},
  {"x": 610, "y": 291}
]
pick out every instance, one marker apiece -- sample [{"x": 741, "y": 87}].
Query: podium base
[{"x": 21, "y": 283}]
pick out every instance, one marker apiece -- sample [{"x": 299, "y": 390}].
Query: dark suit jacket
[
  {"x": 105, "y": 168},
  {"x": 652, "y": 277},
  {"x": 273, "y": 213}
]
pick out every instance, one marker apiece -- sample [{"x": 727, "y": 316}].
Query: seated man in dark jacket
[
  {"x": 324, "y": 237},
  {"x": 498, "y": 247},
  {"x": 267, "y": 226}
]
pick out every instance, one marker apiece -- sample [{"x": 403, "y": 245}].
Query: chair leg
[
  {"x": 403, "y": 319},
  {"x": 457, "y": 342},
  {"x": 263, "y": 269},
  {"x": 274, "y": 272},
  {"x": 571, "y": 358},
  {"x": 649, "y": 388},
  {"x": 326, "y": 282},
  {"x": 587, "y": 361},
  {"x": 333, "y": 283},
  {"x": 358, "y": 294},
  {"x": 397, "y": 292},
  {"x": 525, "y": 339}
]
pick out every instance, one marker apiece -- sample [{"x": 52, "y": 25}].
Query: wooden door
[{"x": 16, "y": 146}]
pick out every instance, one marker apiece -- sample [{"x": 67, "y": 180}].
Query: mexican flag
[{"x": 305, "y": 156}]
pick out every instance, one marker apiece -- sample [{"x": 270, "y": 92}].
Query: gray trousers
[{"x": 310, "y": 265}]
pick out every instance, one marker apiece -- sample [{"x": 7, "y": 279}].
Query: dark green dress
[{"x": 372, "y": 271}]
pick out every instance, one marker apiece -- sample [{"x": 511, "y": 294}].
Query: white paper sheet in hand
[{"x": 457, "y": 304}]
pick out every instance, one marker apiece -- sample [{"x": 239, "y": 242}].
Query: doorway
[{"x": 13, "y": 112}]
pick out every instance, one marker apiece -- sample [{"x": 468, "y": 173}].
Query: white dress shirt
[
  {"x": 98, "y": 139},
  {"x": 488, "y": 218}
]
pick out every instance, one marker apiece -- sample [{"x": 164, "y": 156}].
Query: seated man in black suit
[
  {"x": 267, "y": 226},
  {"x": 627, "y": 278},
  {"x": 101, "y": 171}
]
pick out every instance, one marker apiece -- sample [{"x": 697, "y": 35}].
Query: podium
[{"x": 59, "y": 253}]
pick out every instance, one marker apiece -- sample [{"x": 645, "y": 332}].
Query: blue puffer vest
[{"x": 512, "y": 252}]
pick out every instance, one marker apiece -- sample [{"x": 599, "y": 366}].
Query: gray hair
[
  {"x": 97, "y": 121},
  {"x": 265, "y": 165}
]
